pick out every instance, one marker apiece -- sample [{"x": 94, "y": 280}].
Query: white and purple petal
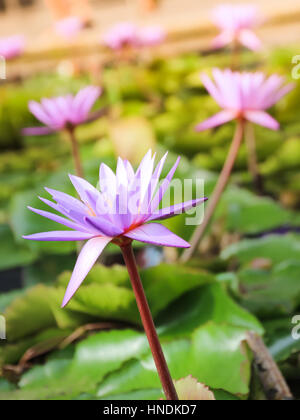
[
  {"x": 104, "y": 226},
  {"x": 55, "y": 218},
  {"x": 37, "y": 131},
  {"x": 60, "y": 235},
  {"x": 163, "y": 188},
  {"x": 250, "y": 40},
  {"x": 217, "y": 120},
  {"x": 85, "y": 261},
  {"x": 157, "y": 234},
  {"x": 262, "y": 118},
  {"x": 176, "y": 209},
  {"x": 87, "y": 192},
  {"x": 37, "y": 110},
  {"x": 66, "y": 200}
]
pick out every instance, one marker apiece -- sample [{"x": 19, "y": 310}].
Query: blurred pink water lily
[
  {"x": 12, "y": 47},
  {"x": 127, "y": 34},
  {"x": 118, "y": 212},
  {"x": 150, "y": 36},
  {"x": 236, "y": 23},
  {"x": 121, "y": 35},
  {"x": 244, "y": 96},
  {"x": 69, "y": 27},
  {"x": 64, "y": 112}
]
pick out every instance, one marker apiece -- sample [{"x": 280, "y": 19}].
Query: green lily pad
[
  {"x": 276, "y": 248},
  {"x": 269, "y": 293},
  {"x": 209, "y": 303},
  {"x": 12, "y": 254},
  {"x": 246, "y": 213},
  {"x": 197, "y": 357},
  {"x": 280, "y": 339},
  {"x": 29, "y": 314},
  {"x": 25, "y": 222}
]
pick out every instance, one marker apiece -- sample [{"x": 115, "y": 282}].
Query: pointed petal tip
[
  {"x": 177, "y": 163},
  {"x": 67, "y": 298},
  {"x": 73, "y": 177},
  {"x": 198, "y": 128},
  {"x": 32, "y": 209},
  {"x": 181, "y": 243},
  {"x": 165, "y": 155},
  {"x": 32, "y": 103},
  {"x": 29, "y": 237},
  {"x": 42, "y": 198},
  {"x": 50, "y": 191},
  {"x": 64, "y": 302},
  {"x": 184, "y": 244}
]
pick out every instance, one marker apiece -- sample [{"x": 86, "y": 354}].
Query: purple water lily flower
[
  {"x": 126, "y": 34},
  {"x": 151, "y": 36},
  {"x": 69, "y": 27},
  {"x": 120, "y": 211},
  {"x": 12, "y": 47},
  {"x": 121, "y": 35},
  {"x": 64, "y": 112},
  {"x": 237, "y": 23},
  {"x": 244, "y": 96}
]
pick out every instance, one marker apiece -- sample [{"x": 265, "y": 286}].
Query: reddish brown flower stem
[
  {"x": 218, "y": 191},
  {"x": 142, "y": 303},
  {"x": 75, "y": 152}
]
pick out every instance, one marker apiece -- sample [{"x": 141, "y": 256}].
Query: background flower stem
[
  {"x": 155, "y": 346},
  {"x": 218, "y": 191},
  {"x": 272, "y": 380},
  {"x": 252, "y": 158},
  {"x": 236, "y": 57},
  {"x": 75, "y": 153}
]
